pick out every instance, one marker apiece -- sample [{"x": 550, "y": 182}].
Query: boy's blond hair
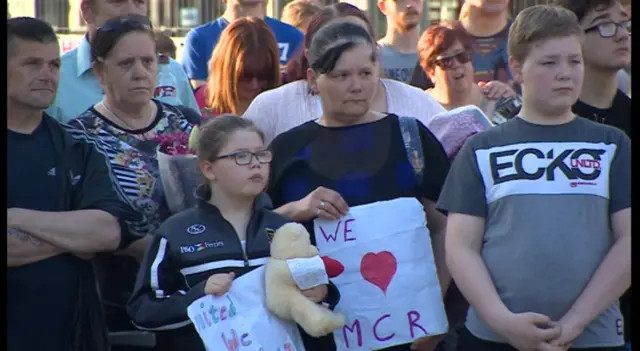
[
  {"x": 539, "y": 23},
  {"x": 297, "y": 12}
]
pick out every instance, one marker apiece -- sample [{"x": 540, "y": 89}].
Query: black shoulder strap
[{"x": 413, "y": 145}]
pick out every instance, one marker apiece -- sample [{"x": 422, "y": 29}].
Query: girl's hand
[
  {"x": 322, "y": 203},
  {"x": 316, "y": 294},
  {"x": 496, "y": 90},
  {"x": 219, "y": 284}
]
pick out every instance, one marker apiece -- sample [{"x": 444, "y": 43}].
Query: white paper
[
  {"x": 240, "y": 321},
  {"x": 389, "y": 288},
  {"x": 308, "y": 272}
]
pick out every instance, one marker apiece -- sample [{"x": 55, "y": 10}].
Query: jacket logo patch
[
  {"x": 196, "y": 229},
  {"x": 270, "y": 233},
  {"x": 200, "y": 246}
]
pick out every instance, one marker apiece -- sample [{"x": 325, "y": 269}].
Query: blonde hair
[
  {"x": 299, "y": 12},
  {"x": 539, "y": 23}
]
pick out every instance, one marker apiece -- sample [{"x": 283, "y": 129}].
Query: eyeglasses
[
  {"x": 244, "y": 158},
  {"x": 447, "y": 62},
  {"x": 610, "y": 29},
  {"x": 115, "y": 23}
]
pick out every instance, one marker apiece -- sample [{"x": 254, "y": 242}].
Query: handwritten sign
[
  {"x": 239, "y": 320},
  {"x": 389, "y": 288},
  {"x": 308, "y": 272}
]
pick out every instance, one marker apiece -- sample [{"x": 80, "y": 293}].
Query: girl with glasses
[{"x": 229, "y": 227}]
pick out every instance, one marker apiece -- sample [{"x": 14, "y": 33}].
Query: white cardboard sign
[
  {"x": 239, "y": 320},
  {"x": 389, "y": 288}
]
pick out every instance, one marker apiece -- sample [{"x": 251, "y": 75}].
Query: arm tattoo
[{"x": 24, "y": 237}]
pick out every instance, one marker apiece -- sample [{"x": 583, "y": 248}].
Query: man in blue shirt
[
  {"x": 201, "y": 40},
  {"x": 81, "y": 88}
]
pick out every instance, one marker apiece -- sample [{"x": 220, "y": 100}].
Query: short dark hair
[
  {"x": 113, "y": 30},
  {"x": 29, "y": 29},
  {"x": 581, "y": 7}
]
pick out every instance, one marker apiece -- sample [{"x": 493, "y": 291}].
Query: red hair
[
  {"x": 246, "y": 46},
  {"x": 437, "y": 39}
]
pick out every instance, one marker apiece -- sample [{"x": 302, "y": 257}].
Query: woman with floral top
[{"x": 123, "y": 127}]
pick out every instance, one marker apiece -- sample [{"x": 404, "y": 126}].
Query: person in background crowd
[
  {"x": 344, "y": 73},
  {"x": 487, "y": 21},
  {"x": 123, "y": 126},
  {"x": 235, "y": 163},
  {"x": 298, "y": 13},
  {"x": 61, "y": 207},
  {"x": 398, "y": 55},
  {"x": 201, "y": 41},
  {"x": 278, "y": 110},
  {"x": 445, "y": 54},
  {"x": 165, "y": 44},
  {"x": 81, "y": 87},
  {"x": 606, "y": 50},
  {"x": 538, "y": 239},
  {"x": 244, "y": 64}
]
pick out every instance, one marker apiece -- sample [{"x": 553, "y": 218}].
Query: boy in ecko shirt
[
  {"x": 201, "y": 40},
  {"x": 539, "y": 208}
]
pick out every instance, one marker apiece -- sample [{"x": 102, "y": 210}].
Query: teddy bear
[{"x": 282, "y": 295}]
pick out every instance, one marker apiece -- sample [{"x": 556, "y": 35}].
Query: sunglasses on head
[
  {"x": 115, "y": 23},
  {"x": 447, "y": 62}
]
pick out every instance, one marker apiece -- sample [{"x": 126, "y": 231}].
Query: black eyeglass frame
[
  {"x": 250, "y": 159},
  {"x": 624, "y": 24}
]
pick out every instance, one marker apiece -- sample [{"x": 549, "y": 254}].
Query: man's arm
[
  {"x": 23, "y": 248},
  {"x": 83, "y": 231},
  {"x": 611, "y": 279},
  {"x": 437, "y": 222}
]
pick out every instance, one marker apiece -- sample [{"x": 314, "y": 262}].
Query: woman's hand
[
  {"x": 323, "y": 203},
  {"x": 496, "y": 90},
  {"x": 316, "y": 294},
  {"x": 219, "y": 284}
]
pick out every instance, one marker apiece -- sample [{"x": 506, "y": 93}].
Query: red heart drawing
[
  {"x": 333, "y": 267},
  {"x": 378, "y": 269}
]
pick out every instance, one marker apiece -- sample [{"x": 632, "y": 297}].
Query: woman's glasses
[
  {"x": 610, "y": 29},
  {"x": 115, "y": 23},
  {"x": 244, "y": 158},
  {"x": 448, "y": 62}
]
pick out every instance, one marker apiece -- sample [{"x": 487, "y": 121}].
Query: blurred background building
[{"x": 178, "y": 16}]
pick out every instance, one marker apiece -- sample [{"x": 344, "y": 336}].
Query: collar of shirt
[{"x": 84, "y": 56}]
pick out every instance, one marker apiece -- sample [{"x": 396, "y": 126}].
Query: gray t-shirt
[
  {"x": 547, "y": 194},
  {"x": 397, "y": 65}
]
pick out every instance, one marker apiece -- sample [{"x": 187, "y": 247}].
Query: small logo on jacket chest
[
  {"x": 196, "y": 229},
  {"x": 200, "y": 246}
]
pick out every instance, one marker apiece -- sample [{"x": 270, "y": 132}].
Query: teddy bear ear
[{"x": 270, "y": 233}]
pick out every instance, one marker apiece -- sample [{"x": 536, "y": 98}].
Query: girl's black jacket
[{"x": 187, "y": 249}]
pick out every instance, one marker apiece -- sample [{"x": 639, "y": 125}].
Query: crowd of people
[{"x": 301, "y": 119}]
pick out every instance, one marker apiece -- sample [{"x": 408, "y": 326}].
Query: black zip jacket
[{"x": 188, "y": 248}]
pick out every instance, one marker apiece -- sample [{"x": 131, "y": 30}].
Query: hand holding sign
[
  {"x": 219, "y": 284},
  {"x": 323, "y": 203}
]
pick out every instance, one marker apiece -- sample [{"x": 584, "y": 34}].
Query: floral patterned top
[{"x": 132, "y": 160}]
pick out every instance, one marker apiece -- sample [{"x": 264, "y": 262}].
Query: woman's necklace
[{"x": 145, "y": 136}]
